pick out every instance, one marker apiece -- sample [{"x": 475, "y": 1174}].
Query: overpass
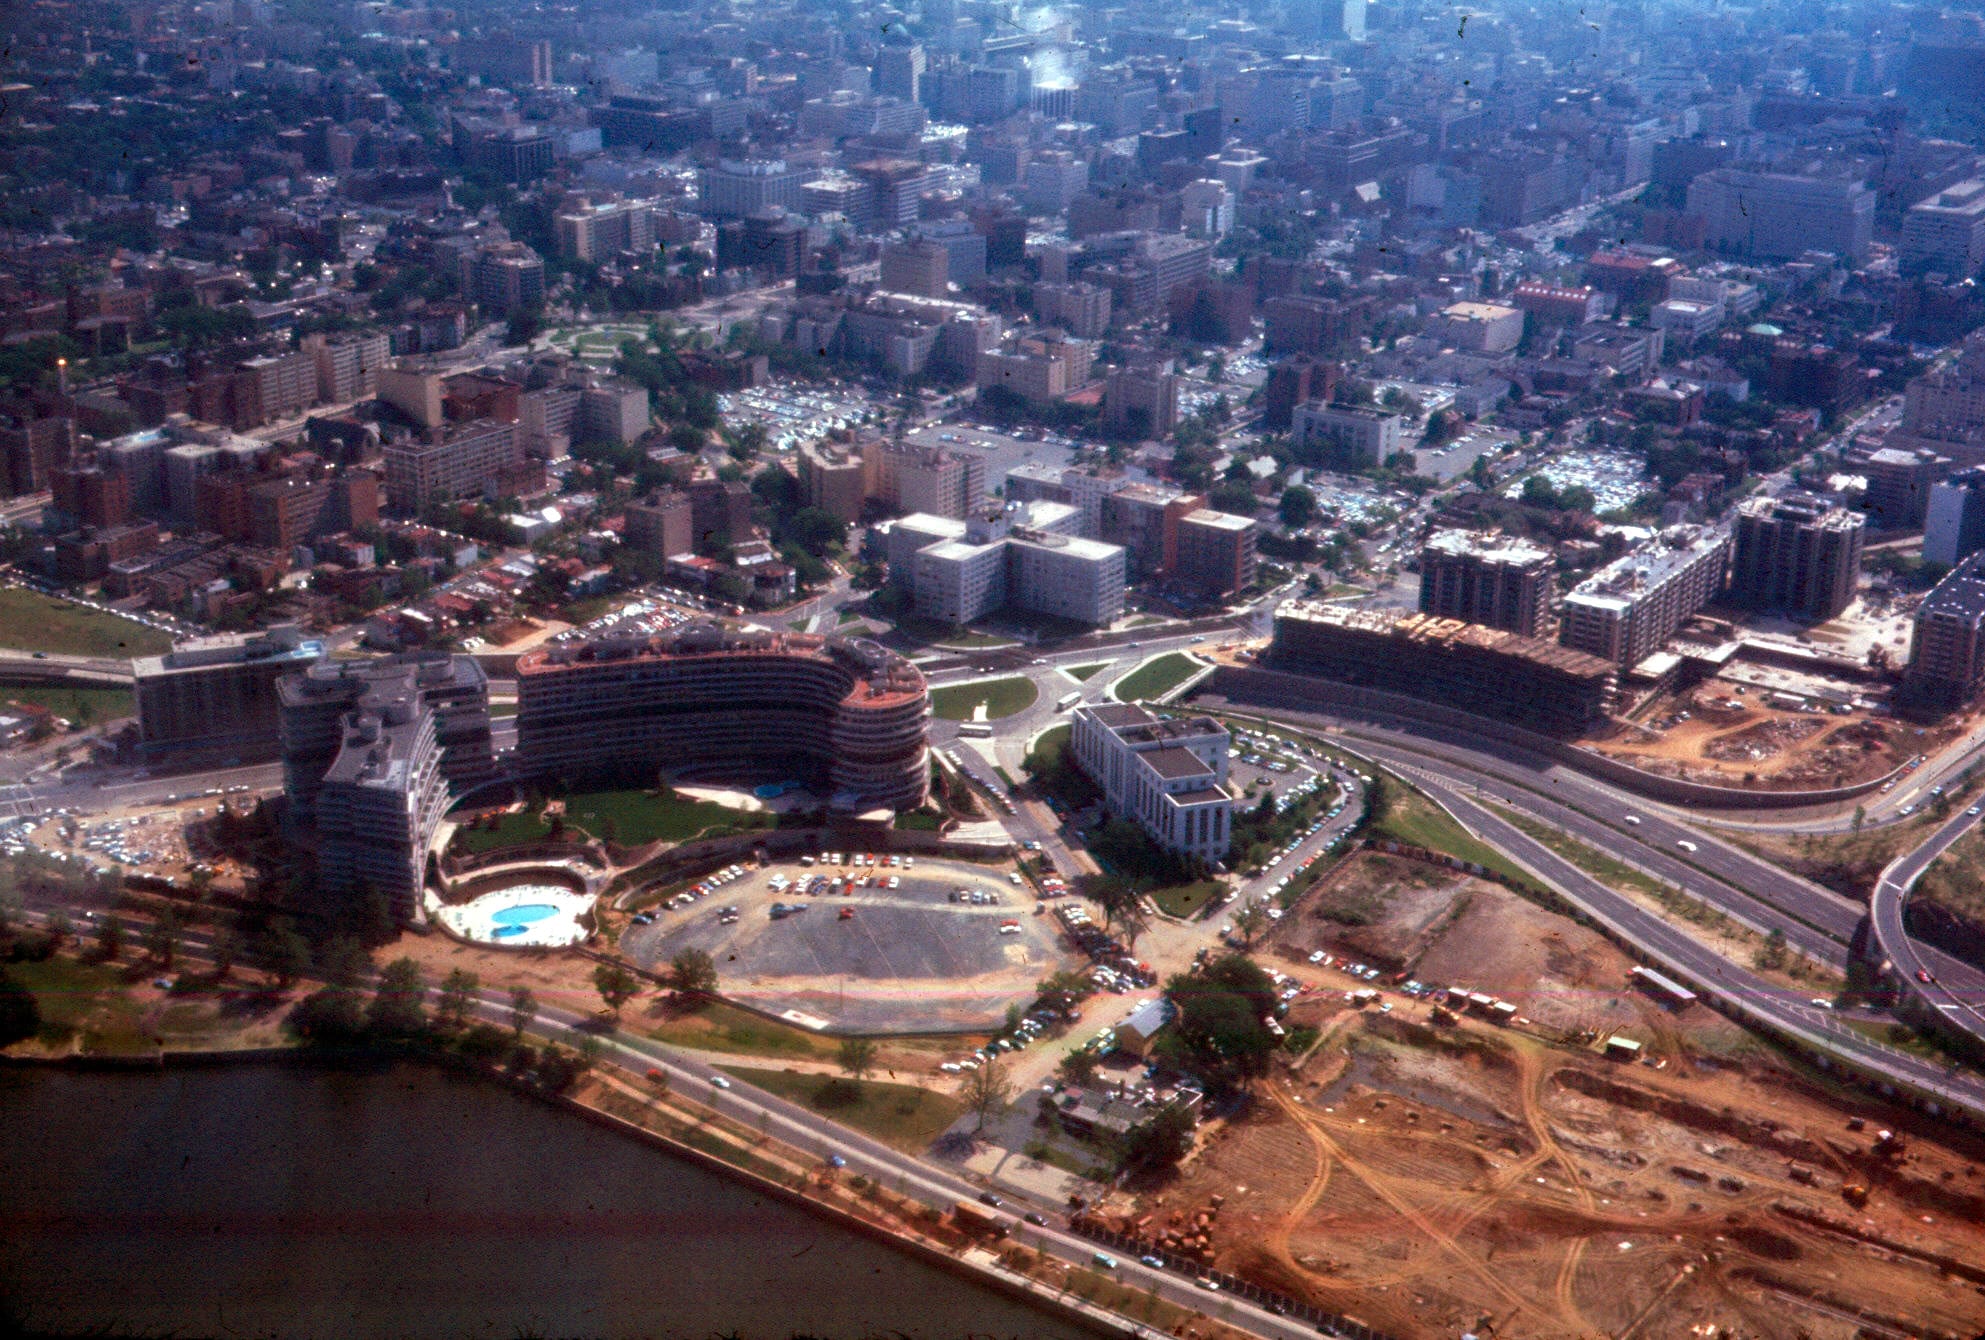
[
  {"x": 48, "y": 667},
  {"x": 1943, "y": 999}
]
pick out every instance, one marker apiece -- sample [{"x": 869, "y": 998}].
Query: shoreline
[{"x": 988, "y": 1273}]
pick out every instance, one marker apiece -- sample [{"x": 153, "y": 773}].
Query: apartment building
[
  {"x": 911, "y": 478},
  {"x": 834, "y": 480},
  {"x": 348, "y": 364},
  {"x": 1945, "y": 234},
  {"x": 1947, "y": 642},
  {"x": 460, "y": 461},
  {"x": 1214, "y": 553},
  {"x": 1796, "y": 553},
  {"x": 1490, "y": 671},
  {"x": 1778, "y": 216},
  {"x": 1954, "y": 528},
  {"x": 213, "y": 700},
  {"x": 1488, "y": 578},
  {"x": 1627, "y": 611},
  {"x": 663, "y": 523},
  {"x": 1167, "y": 776},
  {"x": 1348, "y": 435}
]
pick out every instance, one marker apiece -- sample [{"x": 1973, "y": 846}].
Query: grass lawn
[
  {"x": 977, "y": 641},
  {"x": 1417, "y": 820},
  {"x": 508, "y": 709},
  {"x": 85, "y": 707},
  {"x": 1084, "y": 672},
  {"x": 1604, "y": 868},
  {"x": 516, "y": 829},
  {"x": 720, "y": 1027},
  {"x": 897, "y": 1114},
  {"x": 1148, "y": 681},
  {"x": 1002, "y": 697},
  {"x": 636, "y": 817},
  {"x": 591, "y": 608},
  {"x": 37, "y": 622},
  {"x": 919, "y": 821},
  {"x": 86, "y": 999},
  {"x": 1185, "y": 900}
]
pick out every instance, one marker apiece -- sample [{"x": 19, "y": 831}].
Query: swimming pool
[
  {"x": 523, "y": 914},
  {"x": 533, "y": 912}
]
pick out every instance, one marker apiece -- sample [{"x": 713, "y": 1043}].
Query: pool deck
[{"x": 483, "y": 920}]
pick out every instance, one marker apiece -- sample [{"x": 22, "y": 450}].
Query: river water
[{"x": 293, "y": 1200}]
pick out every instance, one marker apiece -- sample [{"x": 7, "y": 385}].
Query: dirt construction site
[
  {"x": 1729, "y": 734},
  {"x": 1432, "y": 1172}
]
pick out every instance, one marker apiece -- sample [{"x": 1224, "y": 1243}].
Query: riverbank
[{"x": 647, "y": 1113}]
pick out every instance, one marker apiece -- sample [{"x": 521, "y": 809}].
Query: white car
[
  {"x": 1633, "y": 819},
  {"x": 1685, "y": 844},
  {"x": 719, "y": 1082}
]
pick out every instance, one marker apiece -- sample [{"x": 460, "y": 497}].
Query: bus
[
  {"x": 1068, "y": 700},
  {"x": 977, "y": 730}
]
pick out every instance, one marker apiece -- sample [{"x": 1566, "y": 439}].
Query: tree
[
  {"x": 397, "y": 1008},
  {"x": 458, "y": 989},
  {"x": 110, "y": 939},
  {"x": 162, "y": 938},
  {"x": 1771, "y": 954},
  {"x": 616, "y": 986},
  {"x": 692, "y": 972},
  {"x": 988, "y": 1088},
  {"x": 328, "y": 1016},
  {"x": 523, "y": 1009},
  {"x": 1298, "y": 507},
  {"x": 1161, "y": 1142},
  {"x": 1378, "y": 800},
  {"x": 1079, "y": 1067},
  {"x": 285, "y": 953},
  {"x": 346, "y": 963},
  {"x": 227, "y": 948},
  {"x": 20, "y": 1016},
  {"x": 857, "y": 1057},
  {"x": 526, "y": 324},
  {"x": 1249, "y": 921},
  {"x": 1222, "y": 1034}
]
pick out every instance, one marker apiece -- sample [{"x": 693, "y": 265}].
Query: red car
[
  {"x": 847, "y": 914},
  {"x": 1923, "y": 975}
]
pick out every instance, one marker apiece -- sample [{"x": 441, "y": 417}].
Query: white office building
[{"x": 1168, "y": 776}]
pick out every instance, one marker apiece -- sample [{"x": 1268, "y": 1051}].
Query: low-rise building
[
  {"x": 1168, "y": 776},
  {"x": 1348, "y": 435}
]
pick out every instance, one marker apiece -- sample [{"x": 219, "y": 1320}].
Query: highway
[{"x": 1942, "y": 993}]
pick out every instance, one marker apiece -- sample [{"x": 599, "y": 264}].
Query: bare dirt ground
[
  {"x": 1435, "y": 1175},
  {"x": 1739, "y": 740},
  {"x": 1432, "y": 1180}
]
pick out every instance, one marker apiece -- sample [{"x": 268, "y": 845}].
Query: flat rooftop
[{"x": 1174, "y": 762}]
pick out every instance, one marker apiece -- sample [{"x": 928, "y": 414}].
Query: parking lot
[{"x": 948, "y": 948}]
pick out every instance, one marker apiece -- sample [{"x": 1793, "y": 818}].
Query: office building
[
  {"x": 1351, "y": 20},
  {"x": 1489, "y": 671},
  {"x": 348, "y": 364},
  {"x": 1293, "y": 381},
  {"x": 662, "y": 523},
  {"x": 1214, "y": 553},
  {"x": 1082, "y": 309},
  {"x": 1947, "y": 642},
  {"x": 1770, "y": 215},
  {"x": 1487, "y": 578},
  {"x": 1945, "y": 234},
  {"x": 507, "y": 279},
  {"x": 1347, "y": 436},
  {"x": 1142, "y": 400},
  {"x": 959, "y": 572},
  {"x": 964, "y": 246},
  {"x": 737, "y": 188},
  {"x": 833, "y": 480},
  {"x": 1900, "y": 481},
  {"x": 921, "y": 268},
  {"x": 1954, "y": 527},
  {"x": 213, "y": 700},
  {"x": 1169, "y": 776},
  {"x": 843, "y": 714},
  {"x": 1208, "y": 207},
  {"x": 1796, "y": 553},
  {"x": 1948, "y": 405},
  {"x": 1482, "y": 327},
  {"x": 614, "y": 412},
  {"x": 601, "y": 231},
  {"x": 899, "y": 71},
  {"x": 909, "y": 478},
  {"x": 447, "y": 464},
  {"x": 896, "y": 187},
  {"x": 1627, "y": 611}
]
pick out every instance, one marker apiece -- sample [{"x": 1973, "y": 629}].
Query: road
[{"x": 1942, "y": 993}]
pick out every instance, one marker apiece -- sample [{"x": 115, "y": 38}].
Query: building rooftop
[
  {"x": 1491, "y": 546},
  {"x": 1631, "y": 575},
  {"x": 1206, "y": 516},
  {"x": 1961, "y": 595},
  {"x": 1174, "y": 762},
  {"x": 878, "y": 676}
]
